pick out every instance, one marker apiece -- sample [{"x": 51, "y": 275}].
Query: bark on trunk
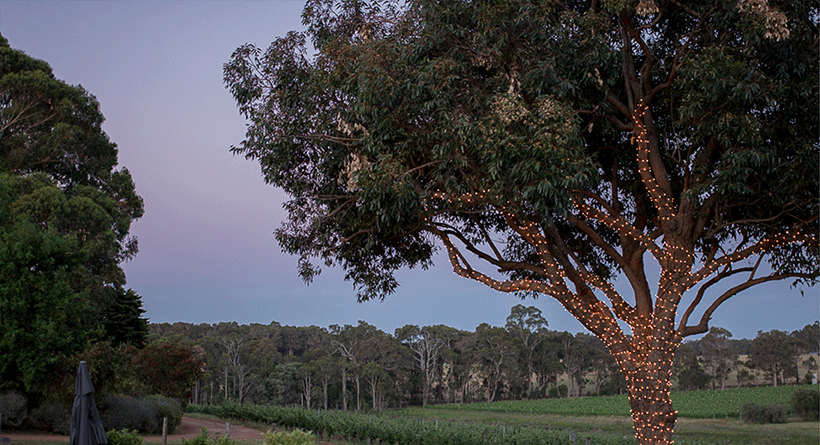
[
  {"x": 425, "y": 393},
  {"x": 324, "y": 393},
  {"x": 774, "y": 374},
  {"x": 648, "y": 383},
  {"x": 358, "y": 379},
  {"x": 344, "y": 388},
  {"x": 652, "y": 413}
]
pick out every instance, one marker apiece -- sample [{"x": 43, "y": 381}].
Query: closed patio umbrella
[{"x": 86, "y": 425}]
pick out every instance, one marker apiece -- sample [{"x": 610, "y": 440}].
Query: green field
[
  {"x": 707, "y": 418},
  {"x": 610, "y": 429},
  {"x": 705, "y": 404}
]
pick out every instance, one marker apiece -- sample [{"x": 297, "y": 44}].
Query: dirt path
[{"x": 190, "y": 428}]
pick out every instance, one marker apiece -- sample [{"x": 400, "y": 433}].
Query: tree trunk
[
  {"x": 374, "y": 392},
  {"x": 425, "y": 392},
  {"x": 307, "y": 389},
  {"x": 529, "y": 376},
  {"x": 324, "y": 392},
  {"x": 652, "y": 412},
  {"x": 774, "y": 374},
  {"x": 648, "y": 384},
  {"x": 357, "y": 377},
  {"x": 344, "y": 388}
]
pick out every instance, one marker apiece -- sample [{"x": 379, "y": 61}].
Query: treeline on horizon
[{"x": 362, "y": 367}]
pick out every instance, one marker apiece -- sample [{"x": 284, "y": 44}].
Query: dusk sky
[{"x": 207, "y": 252}]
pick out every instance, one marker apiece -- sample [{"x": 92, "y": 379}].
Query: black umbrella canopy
[{"x": 86, "y": 425}]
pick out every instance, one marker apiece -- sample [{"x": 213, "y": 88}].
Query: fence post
[
  {"x": 164, "y": 430},
  {"x": 228, "y": 430}
]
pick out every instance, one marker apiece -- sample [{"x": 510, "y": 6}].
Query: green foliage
[
  {"x": 143, "y": 414},
  {"x": 295, "y": 437},
  {"x": 12, "y": 408},
  {"x": 41, "y": 315},
  {"x": 393, "y": 429},
  {"x": 167, "y": 408},
  {"x": 806, "y": 403},
  {"x": 130, "y": 413},
  {"x": 65, "y": 214},
  {"x": 110, "y": 369},
  {"x": 122, "y": 318},
  {"x": 773, "y": 351},
  {"x": 203, "y": 439},
  {"x": 771, "y": 413},
  {"x": 168, "y": 367},
  {"x": 688, "y": 371},
  {"x": 703, "y": 404},
  {"x": 123, "y": 437},
  {"x": 422, "y": 120},
  {"x": 51, "y": 416}
]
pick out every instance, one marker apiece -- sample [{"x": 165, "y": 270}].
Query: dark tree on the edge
[{"x": 549, "y": 147}]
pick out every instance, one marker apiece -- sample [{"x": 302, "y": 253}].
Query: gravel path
[{"x": 190, "y": 428}]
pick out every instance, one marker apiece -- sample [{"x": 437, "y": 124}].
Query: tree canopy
[
  {"x": 548, "y": 148},
  {"x": 65, "y": 214}
]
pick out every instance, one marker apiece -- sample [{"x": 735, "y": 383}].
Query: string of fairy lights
[{"x": 646, "y": 357}]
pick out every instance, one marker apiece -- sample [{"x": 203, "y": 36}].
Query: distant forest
[{"x": 363, "y": 368}]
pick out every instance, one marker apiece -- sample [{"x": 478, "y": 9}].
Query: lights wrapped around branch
[
  {"x": 660, "y": 199},
  {"x": 618, "y": 224},
  {"x": 777, "y": 240}
]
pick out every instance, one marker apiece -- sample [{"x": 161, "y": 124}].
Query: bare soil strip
[{"x": 190, "y": 428}]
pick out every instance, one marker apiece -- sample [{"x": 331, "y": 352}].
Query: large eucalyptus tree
[
  {"x": 549, "y": 147},
  {"x": 65, "y": 217}
]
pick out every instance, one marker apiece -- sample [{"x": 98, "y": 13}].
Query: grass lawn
[{"x": 703, "y": 431}]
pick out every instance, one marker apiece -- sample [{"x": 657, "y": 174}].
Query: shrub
[
  {"x": 295, "y": 437},
  {"x": 224, "y": 440},
  {"x": 168, "y": 367},
  {"x": 131, "y": 413},
  {"x": 203, "y": 439},
  {"x": 772, "y": 413},
  {"x": 167, "y": 407},
  {"x": 123, "y": 437},
  {"x": 143, "y": 414},
  {"x": 806, "y": 404},
  {"x": 51, "y": 416},
  {"x": 753, "y": 413},
  {"x": 775, "y": 413},
  {"x": 12, "y": 408}
]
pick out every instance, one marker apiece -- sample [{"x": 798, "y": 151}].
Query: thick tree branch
[
  {"x": 487, "y": 237},
  {"x": 703, "y": 325},
  {"x": 621, "y": 225},
  {"x": 742, "y": 254},
  {"x": 500, "y": 262},
  {"x": 649, "y": 57},
  {"x": 702, "y": 291}
]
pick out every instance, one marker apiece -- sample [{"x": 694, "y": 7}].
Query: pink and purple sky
[{"x": 207, "y": 252}]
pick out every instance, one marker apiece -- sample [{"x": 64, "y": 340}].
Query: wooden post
[
  {"x": 228, "y": 430},
  {"x": 164, "y": 431}
]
